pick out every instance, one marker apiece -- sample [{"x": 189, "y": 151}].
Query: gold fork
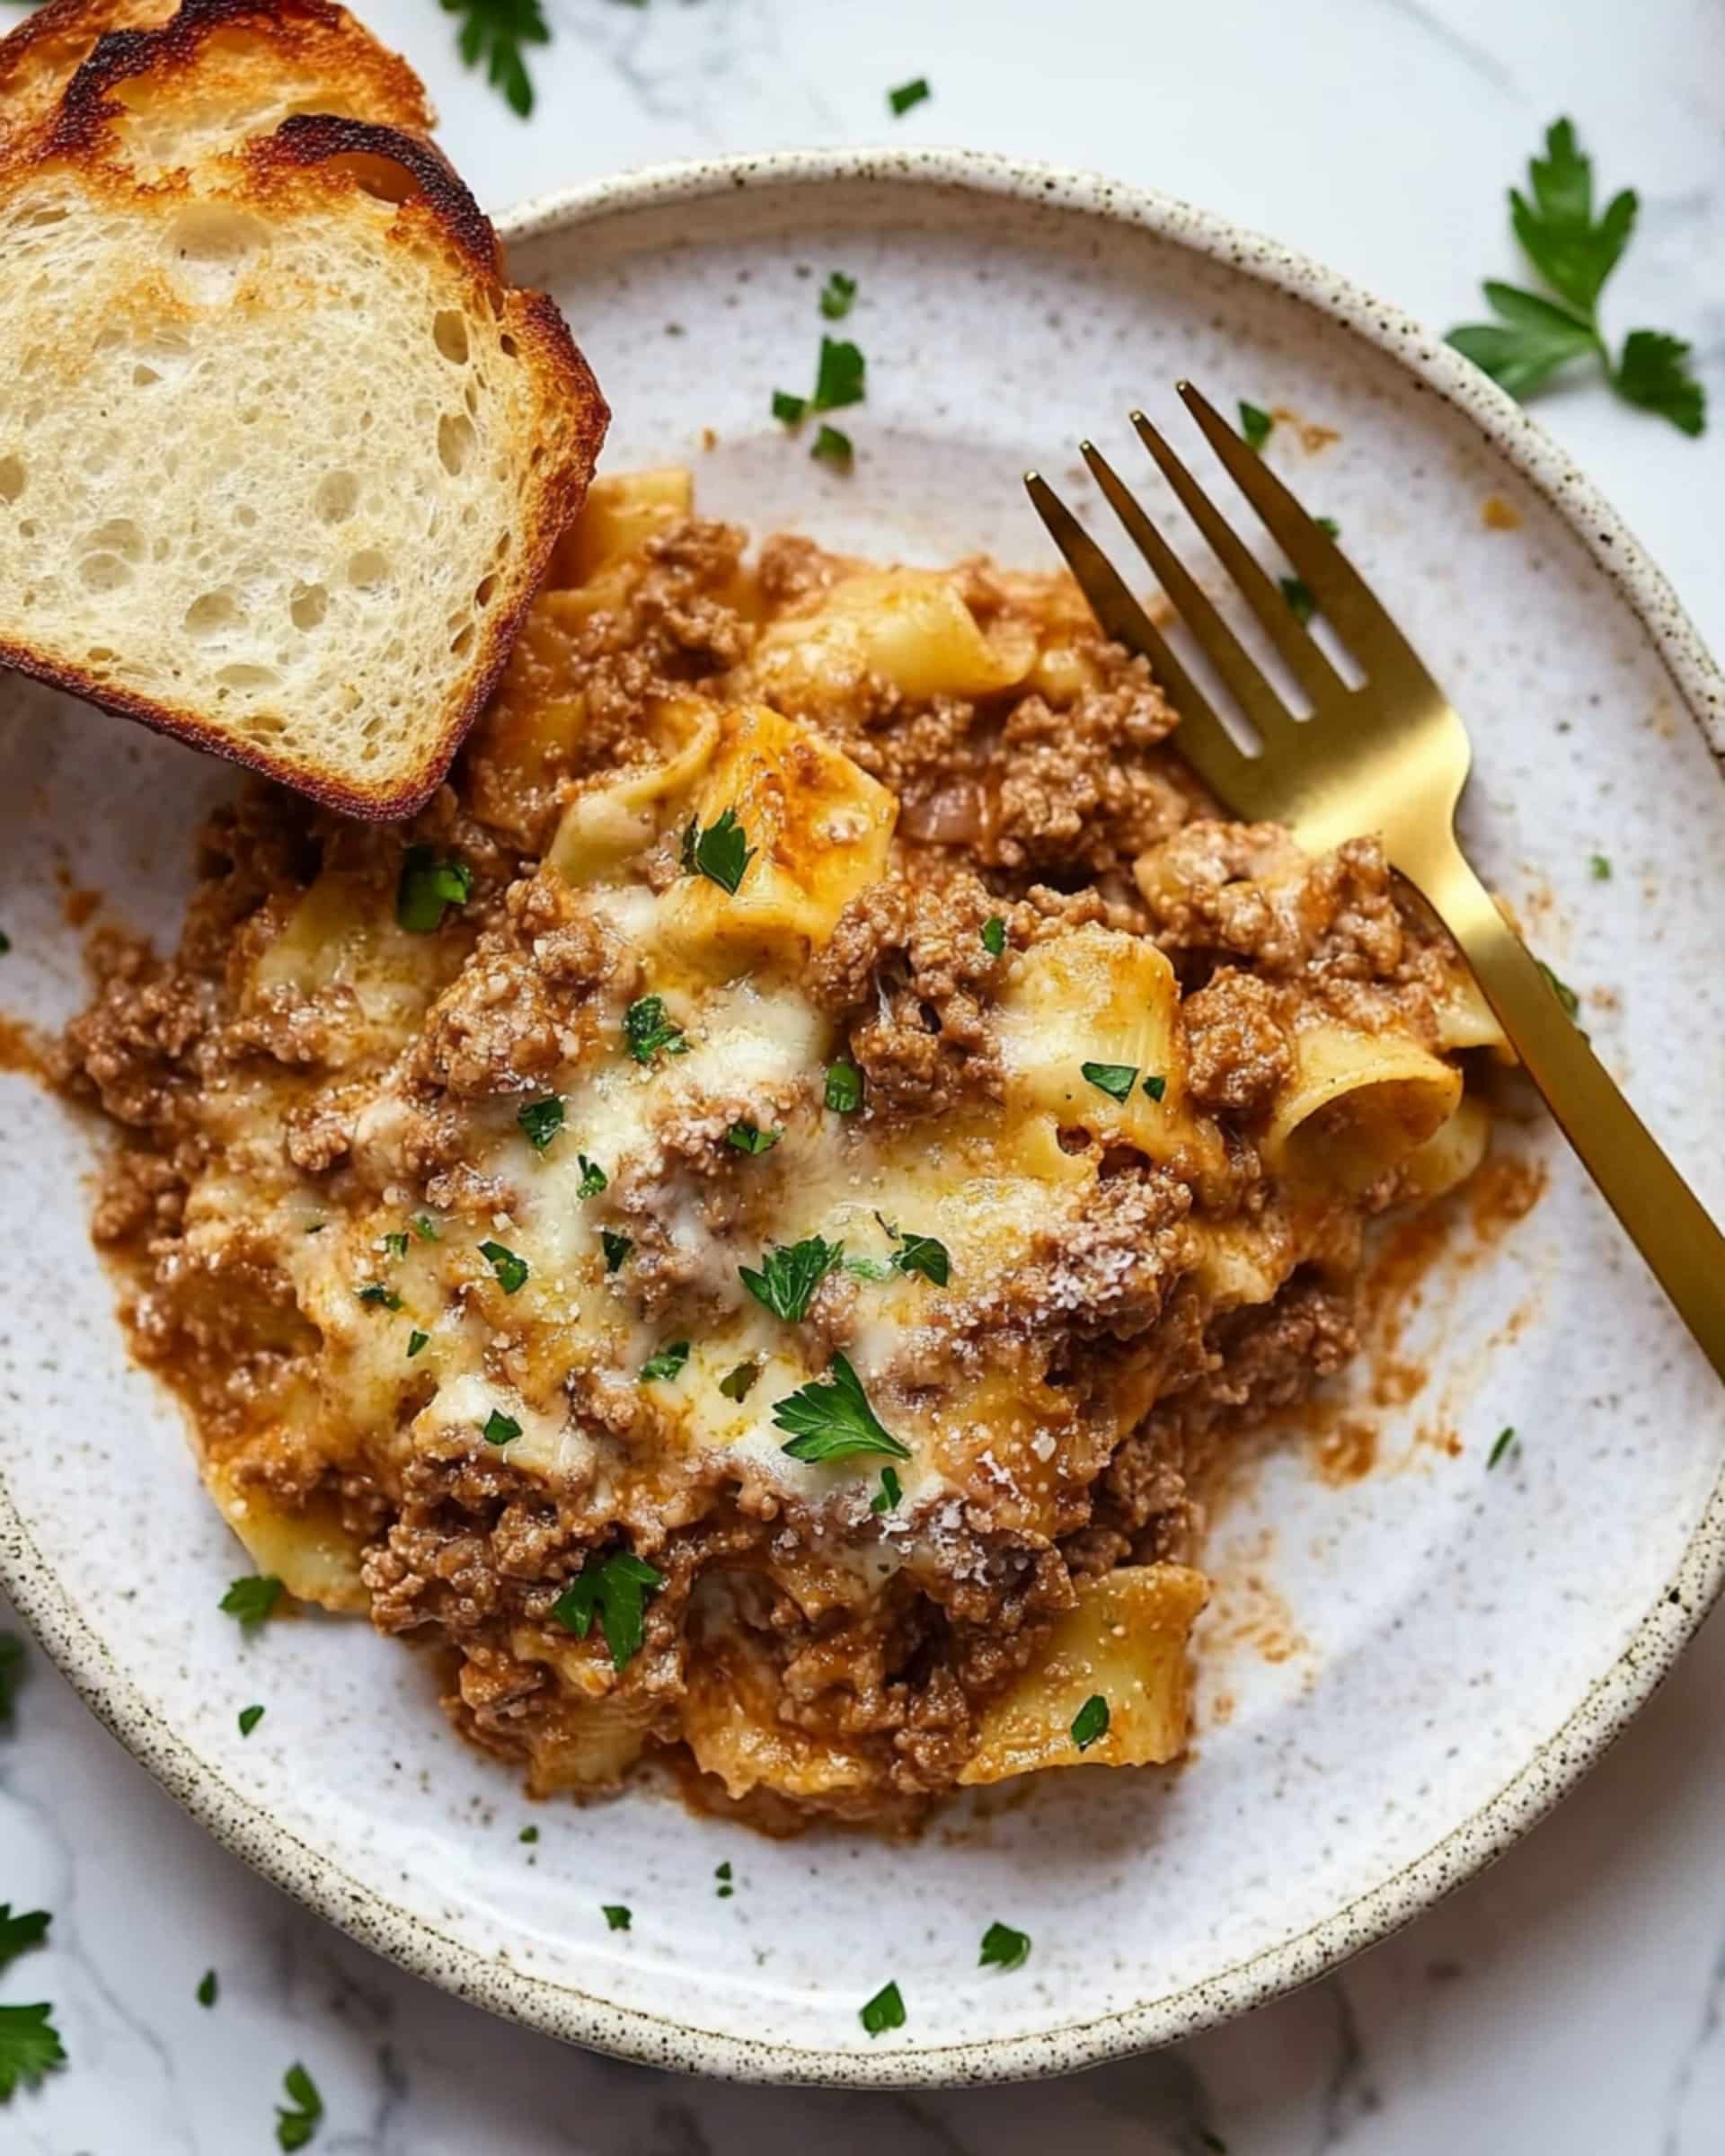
[{"x": 1390, "y": 756}]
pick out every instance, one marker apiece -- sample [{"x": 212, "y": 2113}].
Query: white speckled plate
[{"x": 1401, "y": 1674}]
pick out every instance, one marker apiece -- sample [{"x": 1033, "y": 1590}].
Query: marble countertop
[{"x": 1571, "y": 2000}]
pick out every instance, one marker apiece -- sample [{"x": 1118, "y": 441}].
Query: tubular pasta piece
[
  {"x": 621, "y": 512},
  {"x": 907, "y": 626},
  {"x": 1357, "y": 1106},
  {"x": 1450, "y": 1154}
]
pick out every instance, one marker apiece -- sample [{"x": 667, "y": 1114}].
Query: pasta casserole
[{"x": 747, "y": 1225}]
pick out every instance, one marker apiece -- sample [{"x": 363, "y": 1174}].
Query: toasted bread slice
[
  {"x": 282, "y": 456},
  {"x": 39, "y": 59}
]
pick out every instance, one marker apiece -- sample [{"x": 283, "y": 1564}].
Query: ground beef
[
  {"x": 1076, "y": 788},
  {"x": 1238, "y": 1049}
]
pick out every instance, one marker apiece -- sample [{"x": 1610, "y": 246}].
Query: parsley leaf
[
  {"x": 788, "y": 408},
  {"x": 593, "y": 1178},
  {"x": 250, "y": 1717},
  {"x": 493, "y": 32},
  {"x": 907, "y": 95},
  {"x": 11, "y": 1663},
  {"x": 396, "y": 1243},
  {"x": 994, "y": 935},
  {"x": 721, "y": 852},
  {"x": 205, "y": 1992},
  {"x": 1005, "y": 1949},
  {"x": 298, "y": 2119},
  {"x": 430, "y": 884},
  {"x": 500, "y": 1428},
  {"x": 1156, "y": 1086},
  {"x": 251, "y": 1599},
  {"x": 922, "y": 1254},
  {"x": 375, "y": 1293},
  {"x": 1090, "y": 1722},
  {"x": 416, "y": 1340},
  {"x": 839, "y": 376},
  {"x": 833, "y": 446},
  {"x": 646, "y": 1030},
  {"x": 1114, "y": 1079},
  {"x": 617, "y": 1247},
  {"x": 789, "y": 1276},
  {"x": 726, "y": 1886},
  {"x": 511, "y": 1271},
  {"x": 29, "y": 2045},
  {"x": 424, "y": 1227},
  {"x": 1297, "y": 592},
  {"x": 1601, "y": 868},
  {"x": 837, "y": 296},
  {"x": 617, "y": 1918},
  {"x": 1505, "y": 1439},
  {"x": 1653, "y": 372},
  {"x": 834, "y": 1421},
  {"x": 867, "y": 1268},
  {"x": 1328, "y": 526},
  {"x": 19, "y": 1934},
  {"x": 749, "y": 1137},
  {"x": 667, "y": 1364},
  {"x": 886, "y": 1499},
  {"x": 1256, "y": 424},
  {"x": 616, "y": 1588},
  {"x": 541, "y": 1121},
  {"x": 1525, "y": 349},
  {"x": 885, "y": 2011},
  {"x": 738, "y": 1384},
  {"x": 528, "y": 1833},
  {"x": 844, "y": 1088},
  {"x": 1561, "y": 990},
  {"x": 1574, "y": 253}
]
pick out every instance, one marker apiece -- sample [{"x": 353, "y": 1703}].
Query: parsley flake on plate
[
  {"x": 726, "y": 1885},
  {"x": 250, "y": 1717},
  {"x": 1506, "y": 1437},
  {"x": 499, "y": 1428},
  {"x": 510, "y": 1270},
  {"x": 885, "y": 2011},
  {"x": 11, "y": 1665},
  {"x": 646, "y": 1030},
  {"x": 1561, "y": 990},
  {"x": 297, "y": 2120},
  {"x": 1256, "y": 425},
  {"x": 1601, "y": 868},
  {"x": 29, "y": 2045},
  {"x": 492, "y": 33},
  {"x": 614, "y": 1589},
  {"x": 250, "y": 1599},
  {"x": 617, "y": 1247},
  {"x": 528, "y": 1833},
  {"x": 541, "y": 1121},
  {"x": 844, "y": 1088},
  {"x": 749, "y": 1137},
  {"x": 1301, "y": 604},
  {"x": 1003, "y": 1949},
  {"x": 886, "y": 1499},
  {"x": 789, "y": 1275},
  {"x": 994, "y": 935},
  {"x": 834, "y": 1421},
  {"x": 430, "y": 884},
  {"x": 907, "y": 95},
  {"x": 207, "y": 1988},
  {"x": 593, "y": 1178},
  {"x": 20, "y": 1933},
  {"x": 721, "y": 852},
  {"x": 788, "y": 408},
  {"x": 840, "y": 379},
  {"x": 832, "y": 445},
  {"x": 617, "y": 1918},
  {"x": 1114, "y": 1079},
  {"x": 667, "y": 1364},
  {"x": 1090, "y": 1722},
  {"x": 837, "y": 296}
]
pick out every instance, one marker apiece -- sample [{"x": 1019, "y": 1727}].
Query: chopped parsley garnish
[
  {"x": 834, "y": 1421},
  {"x": 844, "y": 1088},
  {"x": 1156, "y": 1086},
  {"x": 1255, "y": 424},
  {"x": 1574, "y": 252},
  {"x": 593, "y": 1178},
  {"x": 617, "y": 1247},
  {"x": 832, "y": 445},
  {"x": 921, "y": 1254},
  {"x": 298, "y": 2119},
  {"x": 738, "y": 1384},
  {"x": 617, "y": 1918},
  {"x": 1005, "y": 1949},
  {"x": 1114, "y": 1079},
  {"x": 994, "y": 935},
  {"x": 1328, "y": 526},
  {"x": 250, "y": 1717},
  {"x": 432, "y": 883},
  {"x": 1601, "y": 868},
  {"x": 886, "y": 1499},
  {"x": 396, "y": 1243},
  {"x": 384, "y": 1298},
  {"x": 646, "y": 1030},
  {"x": 1090, "y": 1722},
  {"x": 6, "y": 942},
  {"x": 205, "y": 1992},
  {"x": 1301, "y": 604},
  {"x": 616, "y": 1589},
  {"x": 721, "y": 852},
  {"x": 667, "y": 1364},
  {"x": 885, "y": 2011},
  {"x": 837, "y": 296},
  {"x": 788, "y": 408},
  {"x": 424, "y": 1227},
  {"x": 789, "y": 1276},
  {"x": 726, "y": 1886},
  {"x": 541, "y": 1121},
  {"x": 416, "y": 1341},
  {"x": 1506, "y": 1437},
  {"x": 12, "y": 1663},
  {"x": 1561, "y": 990},
  {"x": 528, "y": 1833},
  {"x": 750, "y": 1137},
  {"x": 511, "y": 1271},
  {"x": 251, "y": 1599},
  {"x": 19, "y": 1934},
  {"x": 29, "y": 2045},
  {"x": 840, "y": 379},
  {"x": 903, "y": 97},
  {"x": 500, "y": 1428},
  {"x": 866, "y": 1268}
]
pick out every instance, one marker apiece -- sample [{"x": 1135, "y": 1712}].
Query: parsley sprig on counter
[
  {"x": 493, "y": 34},
  {"x": 1574, "y": 252},
  {"x": 834, "y": 1420}
]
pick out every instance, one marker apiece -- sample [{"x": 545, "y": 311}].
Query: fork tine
[
  {"x": 1204, "y": 741},
  {"x": 1223, "y": 649},
  {"x": 1343, "y": 595},
  {"x": 1304, "y": 656}
]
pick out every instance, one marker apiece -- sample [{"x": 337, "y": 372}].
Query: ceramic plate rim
[{"x": 1557, "y": 1763}]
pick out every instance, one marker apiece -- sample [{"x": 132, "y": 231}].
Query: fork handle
[{"x": 1664, "y": 1217}]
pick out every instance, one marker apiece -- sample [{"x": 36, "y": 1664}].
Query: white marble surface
[{"x": 1569, "y": 2001}]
